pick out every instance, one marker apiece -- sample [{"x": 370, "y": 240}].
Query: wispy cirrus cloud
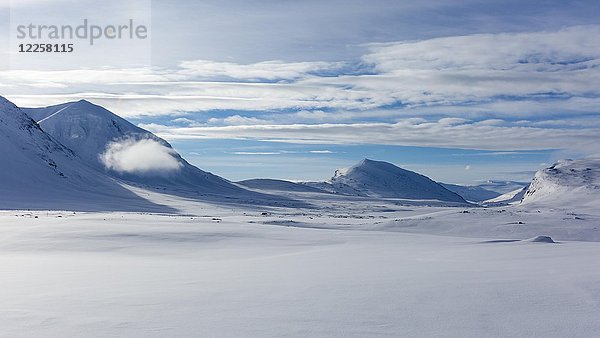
[
  {"x": 442, "y": 133},
  {"x": 482, "y": 91},
  {"x": 571, "y": 48},
  {"x": 497, "y": 73},
  {"x": 266, "y": 70}
]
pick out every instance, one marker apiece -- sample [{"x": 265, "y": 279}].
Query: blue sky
[{"x": 462, "y": 91}]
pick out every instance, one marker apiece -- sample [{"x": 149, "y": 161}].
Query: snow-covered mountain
[
  {"x": 471, "y": 193},
  {"x": 278, "y": 185},
  {"x": 36, "y": 172},
  {"x": 574, "y": 183},
  {"x": 115, "y": 146},
  {"x": 85, "y": 128},
  {"x": 382, "y": 179}
]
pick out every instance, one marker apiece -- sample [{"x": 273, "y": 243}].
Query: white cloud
[
  {"x": 490, "y": 78},
  {"x": 474, "y": 74},
  {"x": 186, "y": 121},
  {"x": 140, "y": 157},
  {"x": 237, "y": 120},
  {"x": 409, "y": 132},
  {"x": 568, "y": 48},
  {"x": 267, "y": 70},
  {"x": 255, "y": 153}
]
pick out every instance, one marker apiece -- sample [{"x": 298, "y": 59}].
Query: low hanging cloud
[{"x": 145, "y": 156}]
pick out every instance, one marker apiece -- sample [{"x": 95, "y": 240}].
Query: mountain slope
[
  {"x": 36, "y": 172},
  {"x": 567, "y": 183},
  {"x": 84, "y": 127},
  {"x": 90, "y": 130},
  {"x": 471, "y": 193},
  {"x": 382, "y": 179},
  {"x": 512, "y": 197}
]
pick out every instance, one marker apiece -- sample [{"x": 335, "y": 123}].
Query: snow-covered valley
[{"x": 247, "y": 272}]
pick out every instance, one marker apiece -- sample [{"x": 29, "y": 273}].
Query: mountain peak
[
  {"x": 81, "y": 110},
  {"x": 365, "y": 165},
  {"x": 89, "y": 107},
  {"x": 383, "y": 179},
  {"x": 84, "y": 102},
  {"x": 84, "y": 127},
  {"x": 368, "y": 161}
]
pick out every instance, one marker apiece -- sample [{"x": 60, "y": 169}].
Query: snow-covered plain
[{"x": 344, "y": 267}]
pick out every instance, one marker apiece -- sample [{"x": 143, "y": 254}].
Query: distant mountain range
[
  {"x": 79, "y": 156},
  {"x": 502, "y": 187},
  {"x": 471, "y": 193},
  {"x": 369, "y": 178},
  {"x": 278, "y": 185}
]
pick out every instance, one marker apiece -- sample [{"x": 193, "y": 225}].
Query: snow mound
[
  {"x": 541, "y": 239},
  {"x": 574, "y": 183},
  {"x": 385, "y": 180}
]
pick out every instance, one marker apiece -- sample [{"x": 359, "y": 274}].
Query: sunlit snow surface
[{"x": 346, "y": 267}]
